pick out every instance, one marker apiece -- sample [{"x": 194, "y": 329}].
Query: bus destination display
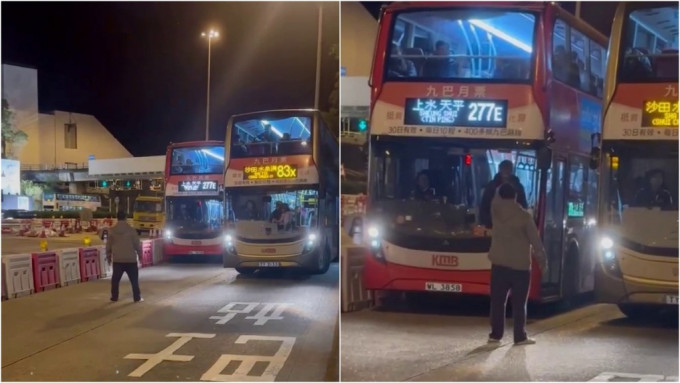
[
  {"x": 197, "y": 186},
  {"x": 456, "y": 112},
  {"x": 266, "y": 172},
  {"x": 660, "y": 114}
]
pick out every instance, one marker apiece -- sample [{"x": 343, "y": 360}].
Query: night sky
[{"x": 141, "y": 68}]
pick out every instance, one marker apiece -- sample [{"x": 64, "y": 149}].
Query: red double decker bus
[
  {"x": 457, "y": 88},
  {"x": 194, "y": 198}
]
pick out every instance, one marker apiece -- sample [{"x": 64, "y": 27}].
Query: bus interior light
[{"x": 502, "y": 35}]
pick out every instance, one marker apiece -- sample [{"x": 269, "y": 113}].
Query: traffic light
[
  {"x": 105, "y": 184},
  {"x": 362, "y": 125},
  {"x": 128, "y": 183}
]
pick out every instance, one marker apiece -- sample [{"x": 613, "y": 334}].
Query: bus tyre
[
  {"x": 634, "y": 312},
  {"x": 246, "y": 270},
  {"x": 323, "y": 260}
]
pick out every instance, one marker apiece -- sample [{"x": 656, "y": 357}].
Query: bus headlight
[
  {"x": 606, "y": 243},
  {"x": 311, "y": 241},
  {"x": 168, "y": 234},
  {"x": 373, "y": 232}
]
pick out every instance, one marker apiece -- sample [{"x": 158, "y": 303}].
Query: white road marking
[
  {"x": 166, "y": 354},
  {"x": 276, "y": 311},
  {"x": 613, "y": 376},
  {"x": 247, "y": 362},
  {"x": 231, "y": 312}
]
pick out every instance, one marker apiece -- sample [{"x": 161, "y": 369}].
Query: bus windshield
[
  {"x": 291, "y": 210},
  {"x": 197, "y": 160},
  {"x": 432, "y": 178},
  {"x": 649, "y": 45},
  {"x": 200, "y": 213},
  {"x": 644, "y": 178},
  {"x": 435, "y": 45},
  {"x": 148, "y": 207},
  {"x": 254, "y": 137}
]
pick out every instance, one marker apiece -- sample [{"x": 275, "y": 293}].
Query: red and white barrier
[
  {"x": 18, "y": 274},
  {"x": 45, "y": 271},
  {"x": 157, "y": 251},
  {"x": 69, "y": 266},
  {"x": 147, "y": 253},
  {"x": 353, "y": 295},
  {"x": 90, "y": 268}
]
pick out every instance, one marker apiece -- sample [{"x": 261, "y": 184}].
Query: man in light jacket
[
  {"x": 124, "y": 248},
  {"x": 514, "y": 234}
]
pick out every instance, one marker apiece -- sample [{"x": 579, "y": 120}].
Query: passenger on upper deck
[
  {"x": 504, "y": 175},
  {"x": 654, "y": 193},
  {"x": 400, "y": 67},
  {"x": 439, "y": 66},
  {"x": 423, "y": 191}
]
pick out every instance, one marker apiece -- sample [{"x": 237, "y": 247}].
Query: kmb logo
[
  {"x": 269, "y": 250},
  {"x": 444, "y": 260}
]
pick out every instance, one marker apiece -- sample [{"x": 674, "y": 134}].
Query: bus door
[
  {"x": 576, "y": 228},
  {"x": 553, "y": 234}
]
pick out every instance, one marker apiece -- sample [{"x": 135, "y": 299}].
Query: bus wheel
[
  {"x": 323, "y": 260},
  {"x": 246, "y": 270},
  {"x": 634, "y": 312}
]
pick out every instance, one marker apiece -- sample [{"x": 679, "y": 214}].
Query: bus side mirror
[
  {"x": 595, "y": 154},
  {"x": 544, "y": 158}
]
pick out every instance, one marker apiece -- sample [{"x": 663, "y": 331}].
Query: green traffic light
[
  {"x": 362, "y": 125},
  {"x": 104, "y": 183}
]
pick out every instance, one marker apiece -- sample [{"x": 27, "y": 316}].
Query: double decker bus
[
  {"x": 194, "y": 198},
  {"x": 281, "y": 184},
  {"x": 457, "y": 88},
  {"x": 638, "y": 161}
]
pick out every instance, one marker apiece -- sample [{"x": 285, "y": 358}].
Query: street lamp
[{"x": 210, "y": 35}]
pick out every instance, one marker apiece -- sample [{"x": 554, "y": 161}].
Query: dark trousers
[
  {"x": 504, "y": 280},
  {"x": 132, "y": 272}
]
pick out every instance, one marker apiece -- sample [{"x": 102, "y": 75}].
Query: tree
[
  {"x": 33, "y": 190},
  {"x": 10, "y": 136}
]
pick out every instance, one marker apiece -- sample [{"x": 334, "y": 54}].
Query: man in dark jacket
[
  {"x": 123, "y": 248},
  {"x": 504, "y": 175}
]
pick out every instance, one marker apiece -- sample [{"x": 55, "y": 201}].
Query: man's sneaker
[
  {"x": 525, "y": 342},
  {"x": 493, "y": 341},
  {"x": 114, "y": 300},
  {"x": 139, "y": 300}
]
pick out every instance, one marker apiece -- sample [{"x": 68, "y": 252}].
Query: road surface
[
  {"x": 197, "y": 322},
  {"x": 592, "y": 342}
]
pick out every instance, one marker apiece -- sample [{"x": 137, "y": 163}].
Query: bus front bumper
[
  {"x": 172, "y": 249},
  {"x": 389, "y": 276},
  {"x": 612, "y": 289},
  {"x": 308, "y": 258}
]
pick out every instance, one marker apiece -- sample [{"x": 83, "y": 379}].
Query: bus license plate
[
  {"x": 445, "y": 287},
  {"x": 671, "y": 299},
  {"x": 269, "y": 264},
  {"x": 195, "y": 252}
]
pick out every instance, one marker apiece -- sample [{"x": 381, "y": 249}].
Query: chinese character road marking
[
  {"x": 231, "y": 312},
  {"x": 262, "y": 318},
  {"x": 166, "y": 354},
  {"x": 247, "y": 362},
  {"x": 270, "y": 311},
  {"x": 625, "y": 377}
]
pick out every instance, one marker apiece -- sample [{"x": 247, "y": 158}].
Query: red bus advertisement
[
  {"x": 457, "y": 88},
  {"x": 194, "y": 198},
  {"x": 281, "y": 182},
  {"x": 638, "y": 220}
]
